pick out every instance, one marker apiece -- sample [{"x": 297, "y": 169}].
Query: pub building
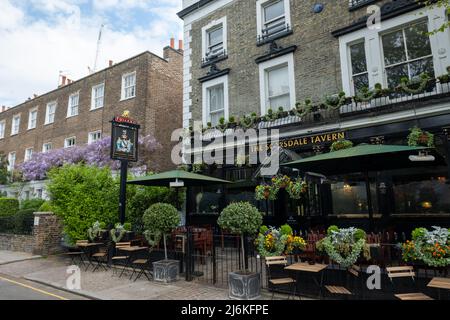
[{"x": 239, "y": 62}]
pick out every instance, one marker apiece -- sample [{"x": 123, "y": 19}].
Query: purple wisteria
[{"x": 96, "y": 154}]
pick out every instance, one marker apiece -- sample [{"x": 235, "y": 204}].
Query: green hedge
[
  {"x": 19, "y": 223},
  {"x": 8, "y": 206},
  {"x": 34, "y": 204}
]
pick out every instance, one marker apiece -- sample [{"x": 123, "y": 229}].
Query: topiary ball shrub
[
  {"x": 331, "y": 229},
  {"x": 240, "y": 218},
  {"x": 359, "y": 234},
  {"x": 286, "y": 230}
]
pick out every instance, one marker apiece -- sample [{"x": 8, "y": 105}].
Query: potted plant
[
  {"x": 416, "y": 85},
  {"x": 281, "y": 113},
  {"x": 232, "y": 122},
  {"x": 244, "y": 219},
  {"x": 121, "y": 232},
  {"x": 271, "y": 242},
  {"x": 418, "y": 137},
  {"x": 341, "y": 145},
  {"x": 344, "y": 246},
  {"x": 296, "y": 189},
  {"x": 280, "y": 181},
  {"x": 159, "y": 221},
  {"x": 266, "y": 192},
  {"x": 97, "y": 232},
  {"x": 431, "y": 248},
  {"x": 335, "y": 101}
]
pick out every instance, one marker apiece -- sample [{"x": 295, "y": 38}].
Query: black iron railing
[{"x": 16, "y": 224}]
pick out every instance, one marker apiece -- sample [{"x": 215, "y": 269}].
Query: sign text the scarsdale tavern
[{"x": 297, "y": 142}]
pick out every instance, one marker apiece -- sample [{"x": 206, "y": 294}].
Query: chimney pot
[
  {"x": 172, "y": 43},
  {"x": 180, "y": 45},
  {"x": 111, "y": 63},
  {"x": 63, "y": 83}
]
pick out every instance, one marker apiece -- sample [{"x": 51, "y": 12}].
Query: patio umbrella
[
  {"x": 177, "y": 179},
  {"x": 366, "y": 158}
]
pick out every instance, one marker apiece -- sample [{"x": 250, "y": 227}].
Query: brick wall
[{"x": 45, "y": 239}]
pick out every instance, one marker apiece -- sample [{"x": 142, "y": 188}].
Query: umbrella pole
[{"x": 369, "y": 201}]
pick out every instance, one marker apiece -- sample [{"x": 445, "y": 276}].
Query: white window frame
[
  {"x": 205, "y": 98},
  {"x": 13, "y": 132},
  {"x": 28, "y": 156},
  {"x": 47, "y": 113},
  {"x": 210, "y": 26},
  {"x": 124, "y": 76},
  {"x": 440, "y": 44},
  {"x": 70, "y": 107},
  {"x": 260, "y": 15},
  {"x": 94, "y": 98},
  {"x": 3, "y": 129},
  {"x": 90, "y": 140},
  {"x": 66, "y": 140},
  {"x": 349, "y": 61},
  {"x": 46, "y": 144},
  {"x": 288, "y": 60},
  {"x": 11, "y": 167},
  {"x": 30, "y": 124}
]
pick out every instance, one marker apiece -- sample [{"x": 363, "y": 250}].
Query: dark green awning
[
  {"x": 165, "y": 178},
  {"x": 363, "y": 158}
]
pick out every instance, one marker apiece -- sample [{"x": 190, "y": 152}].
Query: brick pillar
[{"x": 47, "y": 232}]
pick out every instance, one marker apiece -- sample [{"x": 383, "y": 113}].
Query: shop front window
[
  {"x": 207, "y": 201},
  {"x": 415, "y": 194},
  {"x": 350, "y": 197}
]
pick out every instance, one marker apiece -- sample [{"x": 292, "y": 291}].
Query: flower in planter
[
  {"x": 335, "y": 101},
  {"x": 302, "y": 109},
  {"x": 119, "y": 231},
  {"x": 416, "y": 85},
  {"x": 271, "y": 243},
  {"x": 417, "y": 137},
  {"x": 340, "y": 145},
  {"x": 96, "y": 230},
  {"x": 294, "y": 243},
  {"x": 344, "y": 246}
]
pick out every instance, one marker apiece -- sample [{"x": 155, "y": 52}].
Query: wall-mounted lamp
[{"x": 318, "y": 8}]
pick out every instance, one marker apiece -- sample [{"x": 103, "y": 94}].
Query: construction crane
[{"x": 99, "y": 41}]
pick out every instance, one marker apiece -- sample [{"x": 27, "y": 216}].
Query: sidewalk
[
  {"x": 103, "y": 285},
  {"x": 7, "y": 257}
]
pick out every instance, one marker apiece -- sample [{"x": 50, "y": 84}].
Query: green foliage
[
  {"x": 34, "y": 204},
  {"x": 331, "y": 229},
  {"x": 46, "y": 207},
  {"x": 161, "y": 217},
  {"x": 263, "y": 229},
  {"x": 3, "y": 168},
  {"x": 127, "y": 226},
  {"x": 240, "y": 218},
  {"x": 340, "y": 145},
  {"x": 82, "y": 195},
  {"x": 8, "y": 206},
  {"x": 359, "y": 234},
  {"x": 140, "y": 198},
  {"x": 417, "y": 137},
  {"x": 418, "y": 233},
  {"x": 286, "y": 230}
]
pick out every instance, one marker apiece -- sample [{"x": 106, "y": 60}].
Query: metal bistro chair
[
  {"x": 76, "y": 255},
  {"x": 144, "y": 267},
  {"x": 120, "y": 258},
  {"x": 101, "y": 258},
  {"x": 279, "y": 261},
  {"x": 405, "y": 272},
  {"x": 357, "y": 287}
]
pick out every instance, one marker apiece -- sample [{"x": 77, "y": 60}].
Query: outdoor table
[
  {"x": 439, "y": 283},
  {"x": 87, "y": 251},
  {"x": 131, "y": 252},
  {"x": 315, "y": 269}
]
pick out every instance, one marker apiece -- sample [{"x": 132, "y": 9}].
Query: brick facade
[
  {"x": 14, "y": 242},
  {"x": 158, "y": 96}
]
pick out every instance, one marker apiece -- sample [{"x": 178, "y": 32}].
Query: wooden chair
[
  {"x": 279, "y": 261},
  {"x": 143, "y": 265},
  {"x": 117, "y": 258},
  {"x": 355, "y": 272},
  {"x": 101, "y": 258},
  {"x": 405, "y": 272}
]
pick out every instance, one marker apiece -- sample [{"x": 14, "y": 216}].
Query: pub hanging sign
[{"x": 124, "y": 138}]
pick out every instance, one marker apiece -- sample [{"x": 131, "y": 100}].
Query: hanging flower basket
[
  {"x": 266, "y": 192},
  {"x": 417, "y": 137},
  {"x": 281, "y": 181},
  {"x": 340, "y": 145},
  {"x": 296, "y": 189}
]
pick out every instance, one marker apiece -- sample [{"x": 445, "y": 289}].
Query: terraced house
[
  {"x": 320, "y": 71},
  {"x": 79, "y": 112}
]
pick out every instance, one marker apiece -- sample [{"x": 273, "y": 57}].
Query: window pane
[
  {"x": 215, "y": 117},
  {"x": 395, "y": 74},
  {"x": 215, "y": 36},
  {"x": 351, "y": 197},
  {"x": 417, "y": 41},
  {"x": 422, "y": 66},
  {"x": 274, "y": 10},
  {"x": 358, "y": 57},
  {"x": 394, "y": 48},
  {"x": 278, "y": 81},
  {"x": 216, "y": 98},
  {"x": 360, "y": 82},
  {"x": 280, "y": 101}
]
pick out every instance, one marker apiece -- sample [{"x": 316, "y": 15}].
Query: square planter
[
  {"x": 244, "y": 286},
  {"x": 166, "y": 270}
]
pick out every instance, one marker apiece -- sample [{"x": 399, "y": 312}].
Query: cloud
[{"x": 38, "y": 39}]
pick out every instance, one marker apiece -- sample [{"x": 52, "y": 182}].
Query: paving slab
[{"x": 7, "y": 257}]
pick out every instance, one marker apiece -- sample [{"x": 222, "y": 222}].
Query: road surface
[{"x": 19, "y": 289}]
